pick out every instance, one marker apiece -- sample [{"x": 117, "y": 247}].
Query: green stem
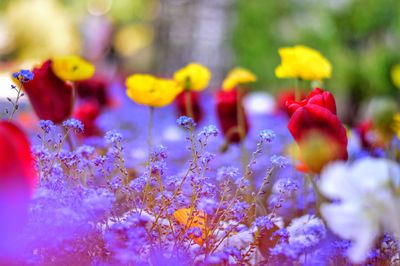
[
  {"x": 150, "y": 129},
  {"x": 297, "y": 92},
  {"x": 188, "y": 104},
  {"x": 319, "y": 197},
  {"x": 70, "y": 142},
  {"x": 241, "y": 128},
  {"x": 15, "y": 105}
]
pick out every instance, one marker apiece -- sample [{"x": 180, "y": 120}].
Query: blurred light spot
[
  {"x": 99, "y": 7},
  {"x": 259, "y": 103},
  {"x": 133, "y": 38},
  {"x": 173, "y": 134},
  {"x": 6, "y": 91}
]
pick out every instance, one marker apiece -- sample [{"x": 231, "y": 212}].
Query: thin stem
[
  {"x": 241, "y": 127},
  {"x": 150, "y": 129},
  {"x": 69, "y": 140},
  {"x": 319, "y": 197},
  {"x": 297, "y": 92},
  {"x": 15, "y": 105},
  {"x": 188, "y": 104}
]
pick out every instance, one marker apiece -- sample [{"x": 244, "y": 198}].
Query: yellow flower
[
  {"x": 395, "y": 75},
  {"x": 193, "y": 77},
  {"x": 151, "y": 91},
  {"x": 236, "y": 77},
  {"x": 72, "y": 68},
  {"x": 304, "y": 63},
  {"x": 396, "y": 124}
]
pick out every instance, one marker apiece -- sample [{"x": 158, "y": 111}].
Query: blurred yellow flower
[
  {"x": 151, "y": 91},
  {"x": 236, "y": 77},
  {"x": 193, "y": 77},
  {"x": 396, "y": 124},
  {"x": 72, "y": 68},
  {"x": 395, "y": 75},
  {"x": 304, "y": 63}
]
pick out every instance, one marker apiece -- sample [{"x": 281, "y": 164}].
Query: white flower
[{"x": 365, "y": 202}]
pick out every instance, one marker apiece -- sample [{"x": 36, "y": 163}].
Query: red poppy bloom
[
  {"x": 17, "y": 172},
  {"x": 94, "y": 89},
  {"x": 195, "y": 101},
  {"x": 51, "y": 97},
  {"x": 87, "y": 113},
  {"x": 318, "y": 97},
  {"x": 18, "y": 179},
  {"x": 228, "y": 115},
  {"x": 284, "y": 96},
  {"x": 314, "y": 123}
]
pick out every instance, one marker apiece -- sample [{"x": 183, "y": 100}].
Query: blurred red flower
[
  {"x": 18, "y": 179},
  {"x": 17, "y": 171},
  {"x": 51, "y": 97},
  {"x": 284, "y": 96},
  {"x": 228, "y": 116},
  {"x": 87, "y": 113},
  {"x": 196, "y": 106},
  {"x": 317, "y": 130},
  {"x": 94, "y": 89}
]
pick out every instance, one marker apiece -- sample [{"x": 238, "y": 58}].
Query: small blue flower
[
  {"x": 73, "y": 124},
  {"x": 263, "y": 222},
  {"x": 266, "y": 135},
  {"x": 23, "y": 75},
  {"x": 186, "y": 122},
  {"x": 46, "y": 125},
  {"x": 228, "y": 172},
  {"x": 208, "y": 205},
  {"x": 279, "y": 161},
  {"x": 159, "y": 153},
  {"x": 113, "y": 136},
  {"x": 207, "y": 157},
  {"x": 209, "y": 131}
]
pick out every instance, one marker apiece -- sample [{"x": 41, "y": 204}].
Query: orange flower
[{"x": 190, "y": 218}]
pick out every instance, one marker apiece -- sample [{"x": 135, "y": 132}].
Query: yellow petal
[
  {"x": 194, "y": 76},
  {"x": 395, "y": 75},
  {"x": 238, "y": 76},
  {"x": 72, "y": 68},
  {"x": 151, "y": 91},
  {"x": 304, "y": 63}
]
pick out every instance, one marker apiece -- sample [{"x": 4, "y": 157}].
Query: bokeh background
[{"x": 360, "y": 37}]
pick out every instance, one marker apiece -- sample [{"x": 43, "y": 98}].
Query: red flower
[
  {"x": 17, "y": 172},
  {"x": 228, "y": 116},
  {"x": 94, "y": 89},
  {"x": 87, "y": 113},
  {"x": 51, "y": 97},
  {"x": 318, "y": 131},
  {"x": 318, "y": 97},
  {"x": 195, "y": 101},
  {"x": 18, "y": 179},
  {"x": 285, "y": 96}
]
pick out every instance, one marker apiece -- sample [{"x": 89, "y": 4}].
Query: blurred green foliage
[{"x": 361, "y": 38}]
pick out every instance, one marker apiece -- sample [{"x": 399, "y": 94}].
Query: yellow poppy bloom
[
  {"x": 304, "y": 63},
  {"x": 151, "y": 91},
  {"x": 193, "y": 77},
  {"x": 72, "y": 68},
  {"x": 395, "y": 75},
  {"x": 236, "y": 77}
]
